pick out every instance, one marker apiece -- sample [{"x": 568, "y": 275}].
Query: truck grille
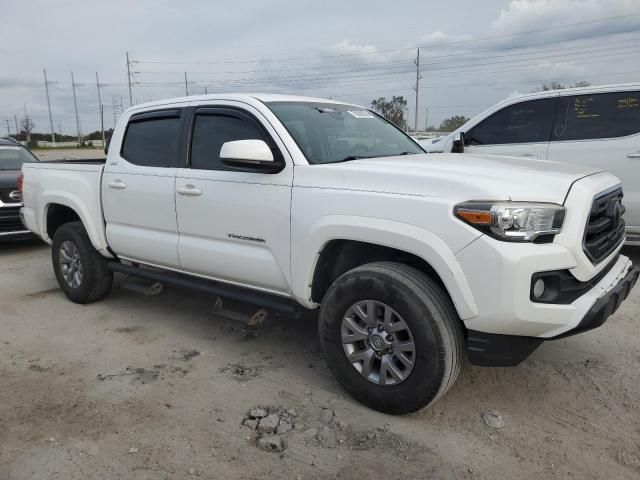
[
  {"x": 10, "y": 220},
  {"x": 10, "y": 195},
  {"x": 605, "y": 228}
]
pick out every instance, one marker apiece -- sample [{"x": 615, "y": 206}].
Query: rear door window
[
  {"x": 602, "y": 115},
  {"x": 524, "y": 122},
  {"x": 152, "y": 139}
]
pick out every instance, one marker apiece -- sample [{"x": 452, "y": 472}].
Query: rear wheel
[
  {"x": 391, "y": 337},
  {"x": 82, "y": 272}
]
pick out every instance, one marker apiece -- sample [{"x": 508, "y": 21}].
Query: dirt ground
[{"x": 155, "y": 387}]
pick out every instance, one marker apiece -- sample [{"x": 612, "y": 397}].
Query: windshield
[
  {"x": 12, "y": 158},
  {"x": 330, "y": 133}
]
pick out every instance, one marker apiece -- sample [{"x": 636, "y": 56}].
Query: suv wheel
[
  {"x": 82, "y": 272},
  {"x": 391, "y": 337}
]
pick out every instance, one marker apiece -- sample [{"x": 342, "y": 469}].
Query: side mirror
[
  {"x": 250, "y": 155},
  {"x": 458, "y": 144},
  {"x": 106, "y": 146},
  {"x": 247, "y": 152}
]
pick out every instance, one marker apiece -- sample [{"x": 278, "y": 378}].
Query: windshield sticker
[
  {"x": 361, "y": 114},
  {"x": 4, "y": 147}
]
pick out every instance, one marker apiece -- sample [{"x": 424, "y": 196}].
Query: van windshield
[{"x": 331, "y": 133}]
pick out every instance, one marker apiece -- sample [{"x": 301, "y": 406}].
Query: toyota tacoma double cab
[{"x": 415, "y": 261}]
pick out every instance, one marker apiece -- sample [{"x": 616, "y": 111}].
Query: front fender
[{"x": 388, "y": 233}]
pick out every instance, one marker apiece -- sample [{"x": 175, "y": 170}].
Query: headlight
[{"x": 513, "y": 221}]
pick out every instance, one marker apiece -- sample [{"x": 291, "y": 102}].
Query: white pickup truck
[{"x": 414, "y": 260}]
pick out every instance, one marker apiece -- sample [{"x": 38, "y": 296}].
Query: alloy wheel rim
[
  {"x": 70, "y": 264},
  {"x": 378, "y": 343}
]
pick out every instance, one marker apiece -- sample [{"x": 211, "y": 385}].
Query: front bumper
[{"x": 486, "y": 349}]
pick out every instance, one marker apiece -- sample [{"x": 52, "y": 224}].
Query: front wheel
[
  {"x": 391, "y": 337},
  {"x": 82, "y": 272}
]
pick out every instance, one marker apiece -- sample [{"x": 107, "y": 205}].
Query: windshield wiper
[
  {"x": 360, "y": 157},
  {"x": 351, "y": 157}
]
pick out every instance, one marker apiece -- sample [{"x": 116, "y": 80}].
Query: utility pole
[
  {"x": 75, "y": 106},
  {"x": 8, "y": 128},
  {"x": 426, "y": 120},
  {"x": 186, "y": 85},
  {"x": 129, "y": 78},
  {"x": 46, "y": 87},
  {"x": 417, "y": 87},
  {"x": 117, "y": 109},
  {"x": 100, "y": 108},
  {"x": 15, "y": 119},
  {"x": 205, "y": 90},
  {"x": 102, "y": 125}
]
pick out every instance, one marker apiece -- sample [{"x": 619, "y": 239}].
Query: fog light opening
[{"x": 538, "y": 288}]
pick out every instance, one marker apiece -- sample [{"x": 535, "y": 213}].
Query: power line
[
  {"x": 439, "y": 44},
  {"x": 453, "y": 69},
  {"x": 343, "y": 79},
  {"x": 403, "y": 63}
]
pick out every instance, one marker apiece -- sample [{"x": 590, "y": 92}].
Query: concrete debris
[
  {"x": 327, "y": 438},
  {"x": 271, "y": 443},
  {"x": 269, "y": 423},
  {"x": 493, "y": 419},
  {"x": 284, "y": 426},
  {"x": 326, "y": 415},
  {"x": 310, "y": 433},
  {"x": 252, "y": 423},
  {"x": 257, "y": 413}
]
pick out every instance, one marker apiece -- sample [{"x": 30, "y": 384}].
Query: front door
[
  {"x": 518, "y": 130},
  {"x": 234, "y": 223},
  {"x": 138, "y": 189}
]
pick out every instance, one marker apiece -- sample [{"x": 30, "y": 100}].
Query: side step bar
[{"x": 284, "y": 306}]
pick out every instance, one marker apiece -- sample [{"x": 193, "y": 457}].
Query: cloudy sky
[{"x": 473, "y": 53}]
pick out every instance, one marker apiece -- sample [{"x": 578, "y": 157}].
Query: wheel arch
[
  {"x": 331, "y": 252},
  {"x": 60, "y": 210}
]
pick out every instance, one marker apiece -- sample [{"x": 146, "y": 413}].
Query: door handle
[
  {"x": 633, "y": 155},
  {"x": 189, "y": 191},
  {"x": 118, "y": 185},
  {"x": 529, "y": 155}
]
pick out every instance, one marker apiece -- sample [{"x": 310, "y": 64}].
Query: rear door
[
  {"x": 602, "y": 130},
  {"x": 138, "y": 188},
  {"x": 234, "y": 223},
  {"x": 521, "y": 130}
]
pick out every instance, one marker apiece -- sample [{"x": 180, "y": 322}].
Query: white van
[{"x": 597, "y": 126}]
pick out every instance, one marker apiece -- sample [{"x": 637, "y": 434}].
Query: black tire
[
  {"x": 431, "y": 317},
  {"x": 97, "y": 278}
]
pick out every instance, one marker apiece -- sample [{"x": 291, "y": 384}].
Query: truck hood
[
  {"x": 460, "y": 177},
  {"x": 9, "y": 178}
]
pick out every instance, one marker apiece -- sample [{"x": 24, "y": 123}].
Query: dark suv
[{"x": 12, "y": 156}]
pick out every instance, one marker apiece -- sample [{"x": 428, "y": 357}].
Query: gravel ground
[
  {"x": 154, "y": 387},
  {"x": 69, "y": 154}
]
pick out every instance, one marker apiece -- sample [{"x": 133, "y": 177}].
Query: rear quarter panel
[{"x": 76, "y": 186}]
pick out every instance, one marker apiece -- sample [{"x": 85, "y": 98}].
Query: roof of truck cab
[{"x": 246, "y": 97}]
